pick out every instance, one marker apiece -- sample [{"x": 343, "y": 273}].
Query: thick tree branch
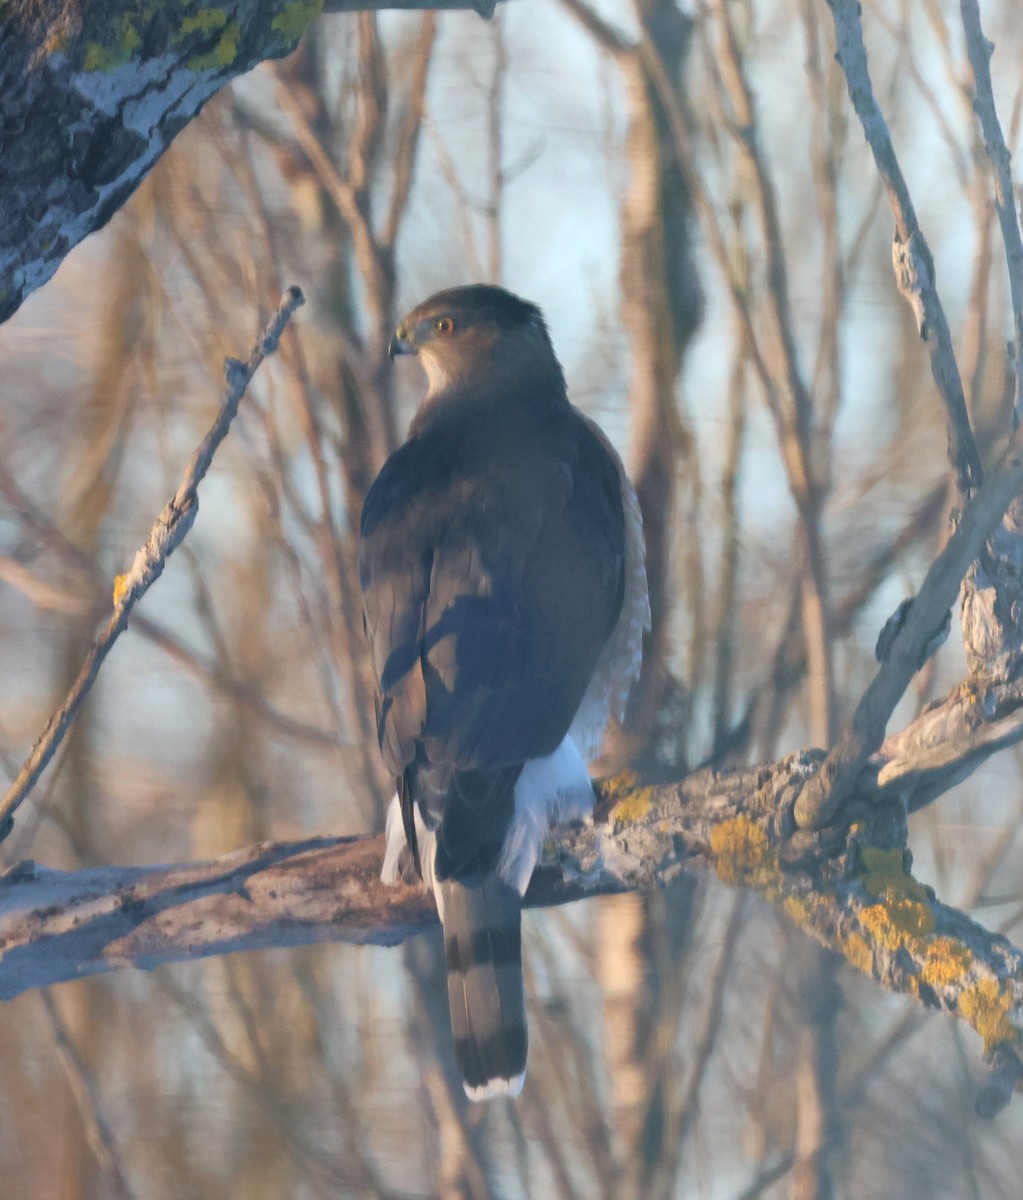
[
  {"x": 92, "y": 94},
  {"x": 847, "y": 885}
]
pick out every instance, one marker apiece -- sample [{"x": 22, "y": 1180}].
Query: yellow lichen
[
  {"x": 120, "y": 588},
  {"x": 897, "y": 921},
  {"x": 632, "y": 808},
  {"x": 903, "y": 912},
  {"x": 743, "y": 854},
  {"x": 859, "y": 954},
  {"x": 613, "y": 788},
  {"x": 879, "y": 925},
  {"x": 946, "y": 962},
  {"x": 811, "y": 910},
  {"x": 986, "y": 1005}
]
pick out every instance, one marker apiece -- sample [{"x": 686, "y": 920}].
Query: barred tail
[{"x": 483, "y": 942}]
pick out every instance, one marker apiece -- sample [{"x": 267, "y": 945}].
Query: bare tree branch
[
  {"x": 83, "y": 1086},
  {"x": 911, "y": 256},
  {"x": 170, "y": 529},
  {"x": 838, "y": 776},
  {"x": 980, "y": 50},
  {"x": 849, "y": 886}
]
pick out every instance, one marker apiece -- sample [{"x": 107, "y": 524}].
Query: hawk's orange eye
[{"x": 444, "y": 325}]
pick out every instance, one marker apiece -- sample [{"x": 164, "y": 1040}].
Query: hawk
[{"x": 505, "y": 599}]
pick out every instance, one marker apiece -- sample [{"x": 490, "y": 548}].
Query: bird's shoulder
[
  {"x": 486, "y": 450},
  {"x": 492, "y": 477}
]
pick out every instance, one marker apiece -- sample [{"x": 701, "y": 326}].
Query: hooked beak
[{"x": 399, "y": 344}]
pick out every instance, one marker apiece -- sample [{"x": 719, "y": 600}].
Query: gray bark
[
  {"x": 849, "y": 885},
  {"x": 92, "y": 94}
]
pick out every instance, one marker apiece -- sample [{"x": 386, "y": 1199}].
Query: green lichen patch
[
  {"x": 883, "y": 874},
  {"x": 199, "y": 27},
  {"x": 206, "y": 20},
  {"x": 124, "y": 40},
  {"x": 223, "y": 53},
  {"x": 293, "y": 18}
]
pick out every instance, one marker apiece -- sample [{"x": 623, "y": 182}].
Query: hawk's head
[{"x": 464, "y": 331}]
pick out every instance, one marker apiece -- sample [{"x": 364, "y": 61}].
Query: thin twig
[
  {"x": 911, "y": 256},
  {"x": 768, "y": 1177},
  {"x": 495, "y": 154},
  {"x": 166, "y": 535},
  {"x": 708, "y": 1037},
  {"x": 979, "y": 50},
  {"x": 799, "y": 439},
  {"x": 83, "y": 1086},
  {"x": 411, "y": 128},
  {"x": 725, "y": 639}
]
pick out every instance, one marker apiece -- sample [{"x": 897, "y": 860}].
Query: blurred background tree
[{"x": 687, "y": 195}]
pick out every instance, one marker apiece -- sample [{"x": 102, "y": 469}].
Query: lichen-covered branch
[
  {"x": 849, "y": 885},
  {"x": 92, "y": 94}
]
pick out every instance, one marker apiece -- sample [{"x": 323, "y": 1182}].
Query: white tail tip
[{"x": 496, "y": 1087}]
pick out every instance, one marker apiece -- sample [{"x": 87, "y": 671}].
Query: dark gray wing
[{"x": 490, "y": 583}]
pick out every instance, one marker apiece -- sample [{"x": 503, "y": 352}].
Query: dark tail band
[{"x": 483, "y": 942}]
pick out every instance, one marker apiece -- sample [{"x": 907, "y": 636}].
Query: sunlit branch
[{"x": 849, "y": 886}]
